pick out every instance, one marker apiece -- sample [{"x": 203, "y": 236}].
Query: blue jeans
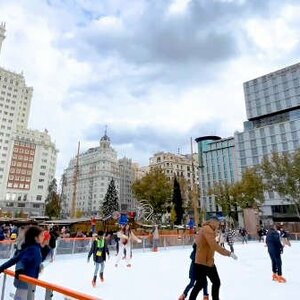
[
  {"x": 97, "y": 268},
  {"x": 191, "y": 285}
]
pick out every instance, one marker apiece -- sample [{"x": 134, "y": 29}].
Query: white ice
[{"x": 164, "y": 275}]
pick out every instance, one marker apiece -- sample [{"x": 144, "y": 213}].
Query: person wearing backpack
[{"x": 98, "y": 250}]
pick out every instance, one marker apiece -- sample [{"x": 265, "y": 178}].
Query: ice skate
[
  {"x": 205, "y": 297},
  {"x": 275, "y": 277},
  {"x": 182, "y": 297},
  {"x": 281, "y": 279},
  {"x": 94, "y": 281}
]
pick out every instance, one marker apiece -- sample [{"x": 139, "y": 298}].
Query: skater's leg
[
  {"x": 274, "y": 265},
  {"x": 205, "y": 289},
  {"x": 188, "y": 287},
  {"x": 96, "y": 269},
  {"x": 212, "y": 274},
  {"x": 21, "y": 294},
  {"x": 231, "y": 248},
  {"x": 120, "y": 253},
  {"x": 101, "y": 271},
  {"x": 128, "y": 254},
  {"x": 278, "y": 262},
  {"x": 200, "y": 273}
]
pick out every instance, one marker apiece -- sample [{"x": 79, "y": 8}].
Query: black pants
[
  {"x": 276, "y": 263},
  {"x": 201, "y": 273}
]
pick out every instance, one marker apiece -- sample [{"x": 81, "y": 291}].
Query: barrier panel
[
  {"x": 82, "y": 245},
  {"x": 39, "y": 289}
]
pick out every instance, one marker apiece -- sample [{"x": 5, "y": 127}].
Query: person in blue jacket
[
  {"x": 98, "y": 250},
  {"x": 275, "y": 250},
  {"x": 28, "y": 261},
  {"x": 192, "y": 277}
]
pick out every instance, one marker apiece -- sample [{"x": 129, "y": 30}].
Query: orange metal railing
[{"x": 49, "y": 288}]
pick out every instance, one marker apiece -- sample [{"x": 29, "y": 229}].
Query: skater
[
  {"x": 193, "y": 278},
  {"x": 275, "y": 250},
  {"x": 230, "y": 238},
  {"x": 244, "y": 235},
  {"x": 155, "y": 238},
  {"x": 28, "y": 261},
  {"x": 126, "y": 237},
  {"x": 204, "y": 260},
  {"x": 222, "y": 238},
  {"x": 284, "y": 236},
  {"x": 260, "y": 234},
  {"x": 52, "y": 241},
  {"x": 99, "y": 250}
]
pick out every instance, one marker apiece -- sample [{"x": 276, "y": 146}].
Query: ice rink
[{"x": 163, "y": 275}]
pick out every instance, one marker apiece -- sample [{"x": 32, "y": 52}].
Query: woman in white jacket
[{"x": 126, "y": 237}]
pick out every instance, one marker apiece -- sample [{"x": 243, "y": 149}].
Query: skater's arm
[
  {"x": 10, "y": 262},
  {"x": 134, "y": 237},
  {"x": 91, "y": 250},
  {"x": 120, "y": 235},
  {"x": 209, "y": 235}
]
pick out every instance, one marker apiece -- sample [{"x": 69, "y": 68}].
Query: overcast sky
[{"x": 155, "y": 71}]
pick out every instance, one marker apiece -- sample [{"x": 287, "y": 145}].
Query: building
[
  {"x": 176, "y": 165},
  {"x": 138, "y": 172},
  {"x": 2, "y": 34},
  {"x": 126, "y": 172},
  {"x": 97, "y": 166},
  {"x": 27, "y": 158},
  {"x": 217, "y": 164},
  {"x": 273, "y": 125}
]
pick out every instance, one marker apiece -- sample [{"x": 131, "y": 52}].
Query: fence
[
  {"x": 82, "y": 245},
  {"x": 40, "y": 289}
]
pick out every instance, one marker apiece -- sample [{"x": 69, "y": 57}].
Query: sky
[{"x": 156, "y": 72}]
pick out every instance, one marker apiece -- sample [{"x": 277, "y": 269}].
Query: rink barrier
[
  {"x": 50, "y": 288},
  {"x": 83, "y": 245}
]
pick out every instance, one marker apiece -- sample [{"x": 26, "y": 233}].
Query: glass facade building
[{"x": 273, "y": 125}]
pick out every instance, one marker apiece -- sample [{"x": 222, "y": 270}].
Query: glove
[
  {"x": 18, "y": 273},
  {"x": 232, "y": 255}
]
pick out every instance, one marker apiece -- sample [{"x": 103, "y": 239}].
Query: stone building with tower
[{"x": 27, "y": 157}]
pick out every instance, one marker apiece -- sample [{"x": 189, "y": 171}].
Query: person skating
[
  {"x": 230, "y": 238},
  {"x": 244, "y": 235},
  {"x": 275, "y": 250},
  {"x": 28, "y": 261},
  {"x": 193, "y": 278},
  {"x": 204, "y": 260},
  {"x": 155, "y": 238},
  {"x": 99, "y": 250},
  {"x": 126, "y": 237}
]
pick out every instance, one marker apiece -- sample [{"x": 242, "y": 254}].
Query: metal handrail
[{"x": 52, "y": 287}]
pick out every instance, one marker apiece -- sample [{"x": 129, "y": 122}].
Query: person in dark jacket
[
  {"x": 52, "y": 242},
  {"x": 28, "y": 261},
  {"x": 98, "y": 250},
  {"x": 192, "y": 277},
  {"x": 275, "y": 250}
]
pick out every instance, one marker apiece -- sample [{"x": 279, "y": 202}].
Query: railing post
[
  {"x": 165, "y": 246},
  {"x": 3, "y": 287},
  {"x": 73, "y": 248},
  {"x": 49, "y": 294},
  {"x": 144, "y": 245}
]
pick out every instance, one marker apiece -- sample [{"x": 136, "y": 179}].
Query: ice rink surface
[{"x": 163, "y": 275}]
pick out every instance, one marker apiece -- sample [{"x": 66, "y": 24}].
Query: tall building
[
  {"x": 138, "y": 172},
  {"x": 176, "y": 165},
  {"x": 2, "y": 34},
  {"x": 27, "y": 158},
  {"x": 273, "y": 112},
  {"x": 126, "y": 172},
  {"x": 97, "y": 166},
  {"x": 217, "y": 164}
]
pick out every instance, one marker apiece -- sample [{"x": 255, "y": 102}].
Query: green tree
[
  {"x": 223, "y": 196},
  {"x": 111, "y": 200},
  {"x": 249, "y": 191},
  {"x": 155, "y": 189},
  {"x": 281, "y": 173},
  {"x": 177, "y": 202},
  {"x": 53, "y": 204}
]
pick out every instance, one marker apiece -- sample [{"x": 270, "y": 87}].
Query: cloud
[{"x": 156, "y": 72}]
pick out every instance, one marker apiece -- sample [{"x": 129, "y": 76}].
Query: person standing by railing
[
  {"x": 98, "y": 250},
  {"x": 29, "y": 260},
  {"x": 155, "y": 238}
]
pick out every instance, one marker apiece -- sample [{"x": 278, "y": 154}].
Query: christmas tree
[
  {"x": 177, "y": 201},
  {"x": 111, "y": 200}
]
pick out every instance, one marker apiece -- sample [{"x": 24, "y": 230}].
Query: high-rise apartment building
[
  {"x": 27, "y": 158},
  {"x": 273, "y": 112},
  {"x": 217, "y": 164},
  {"x": 97, "y": 166}
]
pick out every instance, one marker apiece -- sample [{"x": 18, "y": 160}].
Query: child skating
[{"x": 98, "y": 250}]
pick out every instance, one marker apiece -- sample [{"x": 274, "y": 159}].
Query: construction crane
[{"x": 75, "y": 180}]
